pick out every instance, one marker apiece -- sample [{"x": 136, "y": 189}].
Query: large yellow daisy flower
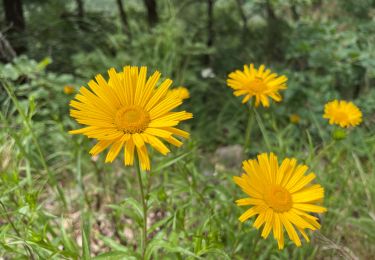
[
  {"x": 128, "y": 112},
  {"x": 259, "y": 83},
  {"x": 342, "y": 113},
  {"x": 281, "y": 196}
]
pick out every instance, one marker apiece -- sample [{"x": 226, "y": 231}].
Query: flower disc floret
[
  {"x": 132, "y": 119},
  {"x": 278, "y": 198}
]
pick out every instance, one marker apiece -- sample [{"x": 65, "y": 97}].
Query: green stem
[
  {"x": 83, "y": 198},
  {"x": 262, "y": 129},
  {"x": 323, "y": 152},
  {"x": 248, "y": 130},
  {"x": 144, "y": 204},
  {"x": 35, "y": 141}
]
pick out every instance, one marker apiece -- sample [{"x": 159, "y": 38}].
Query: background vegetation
[{"x": 58, "y": 203}]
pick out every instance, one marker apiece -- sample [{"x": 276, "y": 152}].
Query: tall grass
[
  {"x": 190, "y": 198},
  {"x": 56, "y": 202}
]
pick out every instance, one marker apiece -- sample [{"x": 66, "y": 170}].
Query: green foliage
[{"x": 58, "y": 203}]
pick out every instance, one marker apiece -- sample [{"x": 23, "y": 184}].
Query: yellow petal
[
  {"x": 269, "y": 223},
  {"x": 160, "y": 92},
  {"x": 309, "y": 194},
  {"x": 143, "y": 158},
  {"x": 138, "y": 140},
  {"x": 129, "y": 152},
  {"x": 302, "y": 182},
  {"x": 309, "y": 207},
  {"x": 290, "y": 230},
  {"x": 100, "y": 146},
  {"x": 173, "y": 141},
  {"x": 156, "y": 143},
  {"x": 114, "y": 151},
  {"x": 177, "y": 132},
  {"x": 139, "y": 91},
  {"x": 249, "y": 201},
  {"x": 150, "y": 85}
]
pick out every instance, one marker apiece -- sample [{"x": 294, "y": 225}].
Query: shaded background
[{"x": 325, "y": 48}]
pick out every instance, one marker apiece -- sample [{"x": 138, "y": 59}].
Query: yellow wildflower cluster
[{"x": 129, "y": 112}]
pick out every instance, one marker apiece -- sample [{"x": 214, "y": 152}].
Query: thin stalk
[
  {"x": 248, "y": 129},
  {"x": 35, "y": 141},
  {"x": 323, "y": 152},
  {"x": 144, "y": 204},
  {"x": 262, "y": 129},
  {"x": 83, "y": 198}
]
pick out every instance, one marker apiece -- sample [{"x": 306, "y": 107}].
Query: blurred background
[
  {"x": 48, "y": 49},
  {"x": 326, "y": 48}
]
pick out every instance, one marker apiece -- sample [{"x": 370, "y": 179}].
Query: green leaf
[
  {"x": 170, "y": 162},
  {"x": 86, "y": 227},
  {"x": 130, "y": 207},
  {"x": 115, "y": 255},
  {"x": 68, "y": 243},
  {"x": 118, "y": 247},
  {"x": 44, "y": 63},
  {"x": 159, "y": 223},
  {"x": 113, "y": 244},
  {"x": 214, "y": 251},
  {"x": 157, "y": 244}
]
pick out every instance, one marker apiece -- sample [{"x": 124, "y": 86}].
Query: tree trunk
[
  {"x": 293, "y": 9},
  {"x": 15, "y": 20},
  {"x": 152, "y": 14},
  {"x": 124, "y": 18},
  {"x": 274, "y": 38},
  {"x": 80, "y": 9},
  {"x": 242, "y": 13},
  {"x": 7, "y": 53},
  {"x": 245, "y": 31},
  {"x": 81, "y": 15},
  {"x": 210, "y": 30}
]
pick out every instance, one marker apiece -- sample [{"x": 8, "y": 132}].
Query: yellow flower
[
  {"x": 129, "y": 112},
  {"x": 294, "y": 118},
  {"x": 180, "y": 92},
  {"x": 281, "y": 196},
  {"x": 258, "y": 83},
  {"x": 342, "y": 113},
  {"x": 68, "y": 90}
]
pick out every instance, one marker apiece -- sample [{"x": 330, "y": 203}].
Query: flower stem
[
  {"x": 262, "y": 130},
  {"x": 322, "y": 152},
  {"x": 144, "y": 204},
  {"x": 248, "y": 130}
]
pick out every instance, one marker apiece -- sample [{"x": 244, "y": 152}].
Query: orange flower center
[
  {"x": 132, "y": 119},
  {"x": 341, "y": 116},
  {"x": 278, "y": 198},
  {"x": 257, "y": 85}
]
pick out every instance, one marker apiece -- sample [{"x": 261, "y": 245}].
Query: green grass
[
  {"x": 56, "y": 202},
  {"x": 59, "y": 203}
]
